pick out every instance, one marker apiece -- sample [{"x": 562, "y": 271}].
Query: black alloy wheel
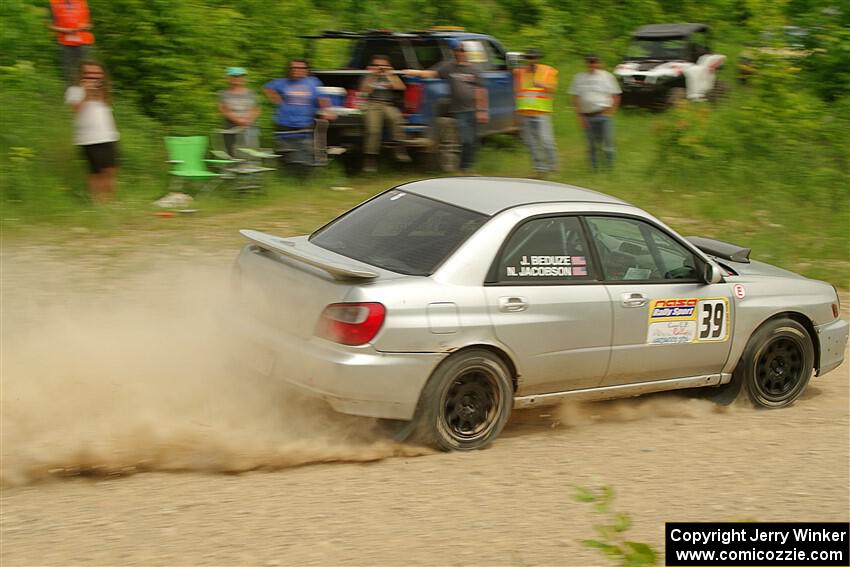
[
  {"x": 777, "y": 363},
  {"x": 470, "y": 404},
  {"x": 466, "y": 402},
  {"x": 779, "y": 368}
]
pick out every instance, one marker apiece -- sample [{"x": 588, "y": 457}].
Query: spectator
[
  {"x": 297, "y": 99},
  {"x": 73, "y": 32},
  {"x": 535, "y": 86},
  {"x": 596, "y": 96},
  {"x": 380, "y": 86},
  {"x": 238, "y": 105},
  {"x": 94, "y": 128},
  {"x": 468, "y": 101}
]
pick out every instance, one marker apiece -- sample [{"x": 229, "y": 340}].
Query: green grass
[{"x": 762, "y": 205}]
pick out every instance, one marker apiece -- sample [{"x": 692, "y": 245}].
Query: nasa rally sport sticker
[
  {"x": 684, "y": 320},
  {"x": 739, "y": 291}
]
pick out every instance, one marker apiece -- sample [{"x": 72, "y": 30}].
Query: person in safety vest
[
  {"x": 534, "y": 85},
  {"x": 72, "y": 25}
]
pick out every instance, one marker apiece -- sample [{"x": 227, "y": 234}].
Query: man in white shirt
[{"x": 596, "y": 96}]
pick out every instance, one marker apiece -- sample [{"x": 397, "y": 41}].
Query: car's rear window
[{"x": 400, "y": 232}]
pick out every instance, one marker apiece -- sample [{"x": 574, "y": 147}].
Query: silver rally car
[{"x": 440, "y": 305}]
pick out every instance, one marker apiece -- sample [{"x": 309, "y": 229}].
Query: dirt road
[{"x": 102, "y": 384}]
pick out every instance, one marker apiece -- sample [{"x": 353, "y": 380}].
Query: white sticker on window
[{"x": 637, "y": 274}]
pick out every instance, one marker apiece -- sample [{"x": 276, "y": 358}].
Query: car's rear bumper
[
  {"x": 353, "y": 380},
  {"x": 832, "y": 338}
]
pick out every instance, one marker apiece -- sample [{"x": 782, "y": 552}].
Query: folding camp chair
[
  {"x": 244, "y": 159},
  {"x": 186, "y": 156}
]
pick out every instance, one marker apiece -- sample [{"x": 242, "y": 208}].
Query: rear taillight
[
  {"x": 351, "y": 324},
  {"x": 412, "y": 98}
]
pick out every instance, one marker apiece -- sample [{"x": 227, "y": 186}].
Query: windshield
[
  {"x": 663, "y": 49},
  {"x": 400, "y": 232}
]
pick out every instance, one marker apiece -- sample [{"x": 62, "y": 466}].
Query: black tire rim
[
  {"x": 779, "y": 368},
  {"x": 471, "y": 404}
]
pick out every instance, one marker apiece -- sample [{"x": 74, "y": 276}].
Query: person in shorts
[{"x": 94, "y": 128}]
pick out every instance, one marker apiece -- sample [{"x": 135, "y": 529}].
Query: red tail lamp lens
[
  {"x": 412, "y": 98},
  {"x": 351, "y": 324},
  {"x": 835, "y": 309}
]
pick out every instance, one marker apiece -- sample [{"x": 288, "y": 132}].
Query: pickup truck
[{"x": 428, "y": 124}]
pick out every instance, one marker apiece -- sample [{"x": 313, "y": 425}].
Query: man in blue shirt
[{"x": 298, "y": 100}]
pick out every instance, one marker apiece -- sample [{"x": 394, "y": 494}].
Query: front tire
[
  {"x": 777, "y": 364},
  {"x": 466, "y": 402}
]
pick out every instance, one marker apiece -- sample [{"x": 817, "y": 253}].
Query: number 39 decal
[{"x": 713, "y": 318}]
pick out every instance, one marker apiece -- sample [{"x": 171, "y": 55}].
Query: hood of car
[{"x": 756, "y": 268}]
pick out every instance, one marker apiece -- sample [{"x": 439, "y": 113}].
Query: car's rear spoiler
[
  {"x": 721, "y": 249},
  {"x": 289, "y": 248}
]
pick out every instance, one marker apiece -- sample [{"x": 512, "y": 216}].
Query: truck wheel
[
  {"x": 466, "y": 402},
  {"x": 777, "y": 364},
  {"x": 719, "y": 91},
  {"x": 675, "y": 96},
  {"x": 447, "y": 151}
]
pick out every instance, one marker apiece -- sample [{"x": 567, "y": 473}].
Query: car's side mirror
[
  {"x": 514, "y": 59},
  {"x": 711, "y": 274}
]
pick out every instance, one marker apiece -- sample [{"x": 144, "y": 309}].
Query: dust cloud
[
  {"x": 667, "y": 404},
  {"x": 145, "y": 379}
]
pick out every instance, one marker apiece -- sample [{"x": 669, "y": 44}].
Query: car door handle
[
  {"x": 631, "y": 299},
  {"x": 512, "y": 304}
]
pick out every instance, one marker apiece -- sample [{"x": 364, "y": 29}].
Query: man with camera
[{"x": 380, "y": 86}]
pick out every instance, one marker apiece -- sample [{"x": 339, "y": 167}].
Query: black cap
[
  {"x": 532, "y": 53},
  {"x": 591, "y": 57}
]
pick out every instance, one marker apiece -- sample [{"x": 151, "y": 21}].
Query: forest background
[{"x": 767, "y": 167}]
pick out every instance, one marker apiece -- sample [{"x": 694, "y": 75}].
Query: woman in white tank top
[{"x": 94, "y": 128}]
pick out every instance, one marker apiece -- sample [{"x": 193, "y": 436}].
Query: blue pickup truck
[{"x": 428, "y": 124}]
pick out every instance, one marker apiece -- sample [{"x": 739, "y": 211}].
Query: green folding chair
[{"x": 186, "y": 156}]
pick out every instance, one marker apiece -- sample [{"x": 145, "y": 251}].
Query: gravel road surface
[{"x": 308, "y": 502}]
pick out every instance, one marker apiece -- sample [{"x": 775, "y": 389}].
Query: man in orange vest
[
  {"x": 73, "y": 31},
  {"x": 534, "y": 85}
]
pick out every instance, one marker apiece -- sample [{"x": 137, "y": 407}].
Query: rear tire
[
  {"x": 466, "y": 402},
  {"x": 675, "y": 97},
  {"x": 718, "y": 92}
]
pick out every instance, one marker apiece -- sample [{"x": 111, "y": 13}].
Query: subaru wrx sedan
[{"x": 440, "y": 305}]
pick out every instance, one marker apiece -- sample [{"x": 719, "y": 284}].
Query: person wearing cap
[
  {"x": 468, "y": 99},
  {"x": 534, "y": 85},
  {"x": 596, "y": 96},
  {"x": 240, "y": 109}
]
